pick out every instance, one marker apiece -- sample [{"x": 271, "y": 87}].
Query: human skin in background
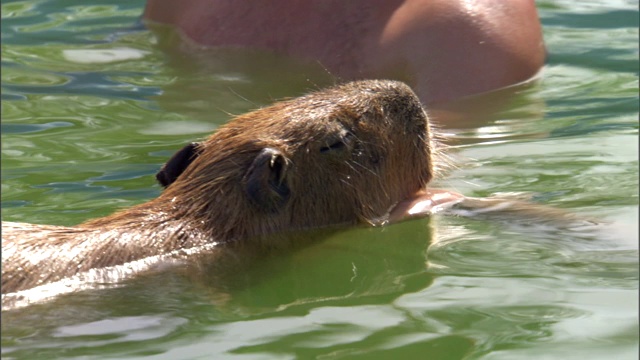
[{"x": 444, "y": 49}]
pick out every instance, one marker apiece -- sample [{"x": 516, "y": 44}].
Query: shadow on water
[{"x": 344, "y": 268}]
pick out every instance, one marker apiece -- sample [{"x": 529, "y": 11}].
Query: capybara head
[{"x": 342, "y": 155}]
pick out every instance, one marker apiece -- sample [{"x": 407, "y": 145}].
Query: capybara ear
[
  {"x": 266, "y": 181},
  {"x": 177, "y": 164}
]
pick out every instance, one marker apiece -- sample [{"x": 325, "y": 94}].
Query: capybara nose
[{"x": 398, "y": 103}]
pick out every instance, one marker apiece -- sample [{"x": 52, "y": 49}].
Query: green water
[{"x": 91, "y": 108}]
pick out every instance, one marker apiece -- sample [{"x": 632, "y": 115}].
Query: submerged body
[{"x": 341, "y": 156}]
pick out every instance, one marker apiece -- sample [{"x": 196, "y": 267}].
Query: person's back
[{"x": 444, "y": 49}]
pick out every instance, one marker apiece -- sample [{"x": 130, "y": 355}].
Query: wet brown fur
[{"x": 347, "y": 155}]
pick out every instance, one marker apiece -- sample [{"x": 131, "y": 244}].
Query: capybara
[{"x": 340, "y": 156}]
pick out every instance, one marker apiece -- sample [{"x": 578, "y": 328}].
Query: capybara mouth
[{"x": 424, "y": 203}]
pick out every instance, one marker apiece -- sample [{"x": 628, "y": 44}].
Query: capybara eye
[
  {"x": 335, "y": 146},
  {"x": 343, "y": 142}
]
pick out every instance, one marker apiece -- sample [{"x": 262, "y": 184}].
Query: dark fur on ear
[
  {"x": 265, "y": 183},
  {"x": 177, "y": 164}
]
